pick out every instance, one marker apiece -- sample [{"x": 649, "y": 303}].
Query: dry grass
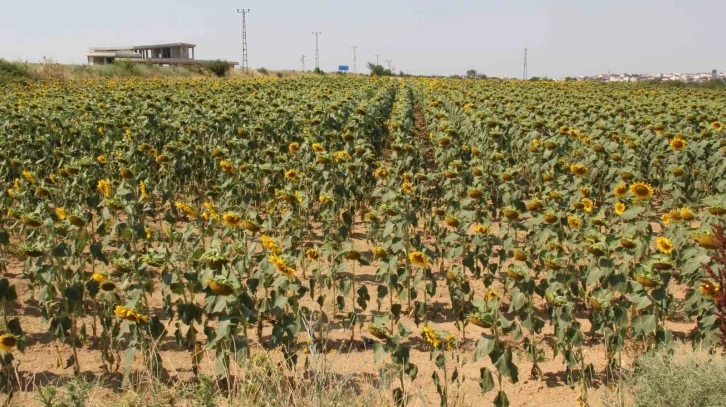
[{"x": 672, "y": 379}]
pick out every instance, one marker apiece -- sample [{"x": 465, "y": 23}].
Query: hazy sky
[{"x": 564, "y": 37}]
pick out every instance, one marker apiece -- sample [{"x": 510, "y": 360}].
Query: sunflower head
[
  {"x": 687, "y": 214},
  {"x": 231, "y": 219},
  {"x": 620, "y": 190},
  {"x": 8, "y": 342},
  {"x": 574, "y": 222},
  {"x": 664, "y": 245},
  {"x": 641, "y": 190},
  {"x": 419, "y": 259},
  {"x": 619, "y": 208},
  {"x": 678, "y": 144},
  {"x": 579, "y": 170}
]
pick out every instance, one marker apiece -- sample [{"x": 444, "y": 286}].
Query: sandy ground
[{"x": 39, "y": 365}]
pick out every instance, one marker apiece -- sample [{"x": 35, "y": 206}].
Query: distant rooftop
[{"x": 141, "y": 47}]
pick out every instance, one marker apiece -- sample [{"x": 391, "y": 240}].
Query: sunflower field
[{"x": 493, "y": 225}]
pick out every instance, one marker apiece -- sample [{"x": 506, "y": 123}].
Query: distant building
[{"x": 178, "y": 53}]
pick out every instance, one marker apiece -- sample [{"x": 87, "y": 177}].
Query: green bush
[
  {"x": 263, "y": 71},
  {"x": 218, "y": 67},
  {"x": 15, "y": 72},
  {"x": 665, "y": 379}
]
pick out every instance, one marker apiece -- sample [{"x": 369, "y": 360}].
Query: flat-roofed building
[{"x": 177, "y": 53}]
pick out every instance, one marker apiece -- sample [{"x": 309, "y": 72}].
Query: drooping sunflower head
[
  {"x": 641, "y": 190},
  {"x": 379, "y": 252},
  {"x": 579, "y": 170},
  {"x": 318, "y": 148},
  {"x": 620, "y": 190},
  {"x": 232, "y": 219},
  {"x": 380, "y": 173},
  {"x": 687, "y": 214},
  {"x": 291, "y": 175},
  {"x": 419, "y": 259},
  {"x": 294, "y": 147},
  {"x": 227, "y": 166},
  {"x": 664, "y": 245},
  {"x": 481, "y": 229},
  {"x": 718, "y": 126},
  {"x": 678, "y": 144}
]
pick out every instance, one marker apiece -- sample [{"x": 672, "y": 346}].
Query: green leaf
[{"x": 486, "y": 380}]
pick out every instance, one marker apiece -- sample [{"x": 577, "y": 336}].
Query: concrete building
[{"x": 178, "y": 53}]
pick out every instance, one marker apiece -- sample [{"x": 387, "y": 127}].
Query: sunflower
[
  {"x": 210, "y": 211},
  {"x": 220, "y": 286},
  {"x": 619, "y": 208},
  {"x": 129, "y": 314},
  {"x": 186, "y": 209},
  {"x": 664, "y": 245},
  {"x": 270, "y": 244},
  {"x": 407, "y": 187},
  {"x": 294, "y": 147},
  {"x": 379, "y": 252},
  {"x": 341, "y": 156},
  {"x": 99, "y": 277},
  {"x": 588, "y": 205},
  {"x": 29, "y": 176},
  {"x": 231, "y": 219},
  {"x": 620, "y": 190},
  {"x": 104, "y": 188},
  {"x": 579, "y": 170},
  {"x": 227, "y": 166},
  {"x": 142, "y": 191},
  {"x": 431, "y": 337},
  {"x": 60, "y": 212},
  {"x": 481, "y": 229},
  {"x": 418, "y": 259},
  {"x": 380, "y": 173},
  {"x": 291, "y": 175},
  {"x": 8, "y": 342},
  {"x": 687, "y": 214},
  {"x": 718, "y": 126},
  {"x": 102, "y": 159},
  {"x": 678, "y": 144},
  {"x": 318, "y": 148},
  {"x": 574, "y": 222},
  {"x": 641, "y": 190}
]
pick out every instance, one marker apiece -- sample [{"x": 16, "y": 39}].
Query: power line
[
  {"x": 377, "y": 55},
  {"x": 355, "y": 68},
  {"x": 245, "y": 63},
  {"x": 524, "y": 74},
  {"x": 302, "y": 59},
  {"x": 317, "y": 49},
  {"x": 389, "y": 64}
]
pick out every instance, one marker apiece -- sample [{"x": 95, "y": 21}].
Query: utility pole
[
  {"x": 377, "y": 55},
  {"x": 317, "y": 49},
  {"x": 245, "y": 63},
  {"x": 524, "y": 74},
  {"x": 355, "y": 68},
  {"x": 389, "y": 64},
  {"x": 302, "y": 59}
]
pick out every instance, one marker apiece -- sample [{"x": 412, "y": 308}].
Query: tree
[
  {"x": 471, "y": 74},
  {"x": 378, "y": 70},
  {"x": 218, "y": 67}
]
